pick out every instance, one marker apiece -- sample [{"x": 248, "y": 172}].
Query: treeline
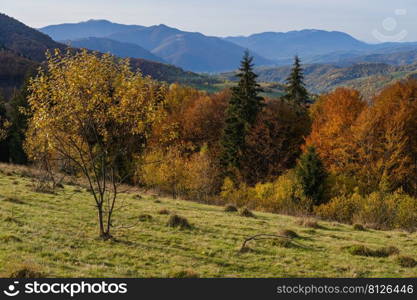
[{"x": 341, "y": 158}]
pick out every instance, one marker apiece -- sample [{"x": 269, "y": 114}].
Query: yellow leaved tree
[{"x": 94, "y": 112}]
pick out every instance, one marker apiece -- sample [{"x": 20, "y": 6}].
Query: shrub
[
  {"x": 288, "y": 197},
  {"x": 242, "y": 195},
  {"x": 24, "y": 269},
  {"x": 377, "y": 210},
  {"x": 185, "y": 274},
  {"x": 244, "y": 212},
  {"x": 340, "y": 209},
  {"x": 365, "y": 251},
  {"x": 230, "y": 208},
  {"x": 358, "y": 227},
  {"x": 406, "y": 261},
  {"x": 406, "y": 215},
  {"x": 177, "y": 221},
  {"x": 164, "y": 212},
  {"x": 360, "y": 250}
]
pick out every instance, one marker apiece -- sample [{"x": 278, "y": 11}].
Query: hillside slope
[
  {"x": 56, "y": 234},
  {"x": 368, "y": 78},
  {"x": 119, "y": 49},
  {"x": 24, "y": 40}
]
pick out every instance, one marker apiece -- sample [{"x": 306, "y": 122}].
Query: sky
[{"x": 368, "y": 20}]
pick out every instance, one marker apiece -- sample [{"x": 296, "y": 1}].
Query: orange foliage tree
[
  {"x": 384, "y": 140},
  {"x": 333, "y": 116},
  {"x": 274, "y": 142}
]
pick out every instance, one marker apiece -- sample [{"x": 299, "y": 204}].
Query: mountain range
[
  {"x": 22, "y": 51},
  {"x": 200, "y": 53},
  {"x": 192, "y": 51}
]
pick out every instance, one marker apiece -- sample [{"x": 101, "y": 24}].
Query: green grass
[{"x": 58, "y": 234}]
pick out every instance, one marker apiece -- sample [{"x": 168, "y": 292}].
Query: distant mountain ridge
[
  {"x": 117, "y": 48},
  {"x": 22, "y": 50},
  {"x": 200, "y": 53},
  {"x": 90, "y": 28},
  {"x": 305, "y": 43},
  {"x": 189, "y": 50}
]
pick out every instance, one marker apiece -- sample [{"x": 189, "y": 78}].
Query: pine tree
[
  {"x": 311, "y": 175},
  {"x": 296, "y": 90},
  {"x": 243, "y": 109}
]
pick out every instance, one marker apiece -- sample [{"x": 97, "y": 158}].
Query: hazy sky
[{"x": 368, "y": 20}]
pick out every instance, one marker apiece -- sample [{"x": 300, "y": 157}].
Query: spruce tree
[
  {"x": 296, "y": 90},
  {"x": 311, "y": 175},
  {"x": 244, "y": 106}
]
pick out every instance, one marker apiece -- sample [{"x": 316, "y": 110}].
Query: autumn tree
[
  {"x": 241, "y": 113},
  {"x": 333, "y": 117},
  {"x": 295, "y": 90},
  {"x": 274, "y": 142},
  {"x": 384, "y": 140},
  {"x": 93, "y": 111}
]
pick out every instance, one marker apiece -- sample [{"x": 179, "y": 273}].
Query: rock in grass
[
  {"x": 180, "y": 222},
  {"x": 406, "y": 261},
  {"x": 244, "y": 212},
  {"x": 230, "y": 208}
]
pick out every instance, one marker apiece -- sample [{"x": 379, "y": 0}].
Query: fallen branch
[{"x": 261, "y": 237}]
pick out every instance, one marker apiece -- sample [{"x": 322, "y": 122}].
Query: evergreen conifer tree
[
  {"x": 296, "y": 90},
  {"x": 244, "y": 106},
  {"x": 311, "y": 175}
]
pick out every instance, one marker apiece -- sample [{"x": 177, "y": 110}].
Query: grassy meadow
[{"x": 56, "y": 234}]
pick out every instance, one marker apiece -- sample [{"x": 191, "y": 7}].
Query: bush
[
  {"x": 358, "y": 227},
  {"x": 230, "y": 208},
  {"x": 377, "y": 210},
  {"x": 241, "y": 195},
  {"x": 177, "y": 221},
  {"x": 185, "y": 274},
  {"x": 406, "y": 261},
  {"x": 244, "y": 212},
  {"x": 365, "y": 251},
  {"x": 24, "y": 269},
  {"x": 340, "y": 209},
  {"x": 288, "y": 196},
  {"x": 164, "y": 212},
  {"x": 406, "y": 214}
]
